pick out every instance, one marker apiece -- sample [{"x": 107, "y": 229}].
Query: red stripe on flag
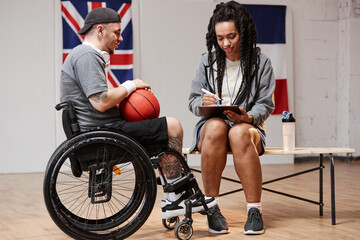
[
  {"x": 281, "y": 96},
  {"x": 71, "y": 19},
  {"x": 96, "y": 5},
  {"x": 123, "y": 11},
  {"x": 64, "y": 56},
  {"x": 121, "y": 59},
  {"x": 112, "y": 80}
]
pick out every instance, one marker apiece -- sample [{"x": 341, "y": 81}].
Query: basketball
[{"x": 140, "y": 105}]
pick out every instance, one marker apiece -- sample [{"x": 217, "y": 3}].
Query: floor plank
[{"x": 23, "y": 214}]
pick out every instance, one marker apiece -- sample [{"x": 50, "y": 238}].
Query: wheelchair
[{"x": 101, "y": 184}]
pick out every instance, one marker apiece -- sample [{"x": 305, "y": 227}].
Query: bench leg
[
  {"x": 332, "y": 179},
  {"x": 321, "y": 185}
]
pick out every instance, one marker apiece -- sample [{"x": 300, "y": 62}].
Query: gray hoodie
[{"x": 260, "y": 104}]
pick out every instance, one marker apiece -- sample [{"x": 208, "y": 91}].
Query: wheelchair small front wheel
[
  {"x": 108, "y": 194},
  {"x": 170, "y": 223},
  {"x": 183, "y": 230}
]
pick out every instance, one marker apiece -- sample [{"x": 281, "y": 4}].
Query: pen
[{"x": 206, "y": 91}]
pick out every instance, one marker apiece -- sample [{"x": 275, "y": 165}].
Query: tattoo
[
  {"x": 171, "y": 166},
  {"x": 175, "y": 143},
  {"x": 97, "y": 97}
]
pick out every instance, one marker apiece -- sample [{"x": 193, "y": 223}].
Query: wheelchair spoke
[{"x": 95, "y": 186}]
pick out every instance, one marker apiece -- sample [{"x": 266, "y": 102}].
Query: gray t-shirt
[{"x": 83, "y": 74}]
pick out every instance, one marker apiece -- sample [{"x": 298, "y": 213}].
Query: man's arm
[{"x": 105, "y": 100}]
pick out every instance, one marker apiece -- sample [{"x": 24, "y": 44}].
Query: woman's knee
[
  {"x": 215, "y": 130},
  {"x": 213, "y": 133},
  {"x": 242, "y": 136}
]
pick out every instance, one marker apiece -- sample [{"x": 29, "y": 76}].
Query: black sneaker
[
  {"x": 216, "y": 221},
  {"x": 177, "y": 208},
  {"x": 254, "y": 223}
]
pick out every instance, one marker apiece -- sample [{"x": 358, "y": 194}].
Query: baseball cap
[{"x": 99, "y": 15}]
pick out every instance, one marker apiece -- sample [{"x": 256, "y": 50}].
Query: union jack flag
[{"x": 73, "y": 16}]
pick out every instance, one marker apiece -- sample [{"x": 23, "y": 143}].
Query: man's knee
[{"x": 174, "y": 126}]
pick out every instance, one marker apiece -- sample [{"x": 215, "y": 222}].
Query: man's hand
[{"x": 141, "y": 84}]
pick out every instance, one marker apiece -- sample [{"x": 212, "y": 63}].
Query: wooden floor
[{"x": 23, "y": 214}]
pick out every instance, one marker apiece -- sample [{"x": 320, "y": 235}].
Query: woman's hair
[{"x": 244, "y": 23}]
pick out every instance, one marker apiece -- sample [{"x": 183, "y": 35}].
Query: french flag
[{"x": 270, "y": 27}]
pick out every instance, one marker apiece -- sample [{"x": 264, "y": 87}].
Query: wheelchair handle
[
  {"x": 60, "y": 106},
  {"x": 73, "y": 120}
]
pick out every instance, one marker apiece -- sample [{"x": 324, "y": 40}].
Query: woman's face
[{"x": 228, "y": 39}]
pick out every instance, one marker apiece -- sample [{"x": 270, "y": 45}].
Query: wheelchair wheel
[
  {"x": 183, "y": 230},
  {"x": 170, "y": 223},
  {"x": 112, "y": 196}
]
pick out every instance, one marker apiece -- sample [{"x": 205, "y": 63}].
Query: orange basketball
[{"x": 140, "y": 105}]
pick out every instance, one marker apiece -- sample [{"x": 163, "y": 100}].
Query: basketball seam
[
  {"x": 148, "y": 101},
  {"x": 135, "y": 109}
]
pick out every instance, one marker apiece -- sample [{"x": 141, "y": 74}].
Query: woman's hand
[
  {"x": 209, "y": 99},
  {"x": 238, "y": 118}
]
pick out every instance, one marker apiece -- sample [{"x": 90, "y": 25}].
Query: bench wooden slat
[{"x": 298, "y": 150}]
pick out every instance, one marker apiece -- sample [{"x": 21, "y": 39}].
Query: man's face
[{"x": 112, "y": 37}]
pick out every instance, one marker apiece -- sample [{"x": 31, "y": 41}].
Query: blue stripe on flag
[
  {"x": 123, "y": 75},
  {"x": 127, "y": 34},
  {"x": 269, "y": 21},
  {"x": 70, "y": 38}
]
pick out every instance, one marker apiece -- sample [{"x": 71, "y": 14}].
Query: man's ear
[{"x": 100, "y": 31}]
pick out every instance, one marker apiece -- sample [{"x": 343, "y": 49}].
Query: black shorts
[{"x": 152, "y": 134}]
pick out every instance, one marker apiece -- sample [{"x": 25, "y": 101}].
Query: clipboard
[{"x": 217, "y": 110}]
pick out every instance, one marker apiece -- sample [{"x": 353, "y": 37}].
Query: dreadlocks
[{"x": 244, "y": 23}]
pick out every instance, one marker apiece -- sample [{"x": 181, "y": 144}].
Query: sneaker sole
[
  {"x": 252, "y": 232},
  {"x": 218, "y": 232},
  {"x": 179, "y": 212}
]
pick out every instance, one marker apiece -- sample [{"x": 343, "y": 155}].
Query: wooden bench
[{"x": 298, "y": 151}]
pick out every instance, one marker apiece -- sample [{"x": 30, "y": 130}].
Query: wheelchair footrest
[{"x": 180, "y": 184}]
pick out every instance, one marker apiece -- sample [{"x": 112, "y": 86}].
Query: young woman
[{"x": 239, "y": 74}]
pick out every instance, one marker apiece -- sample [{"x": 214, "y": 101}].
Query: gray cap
[{"x": 99, "y": 15}]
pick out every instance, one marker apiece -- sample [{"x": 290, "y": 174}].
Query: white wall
[
  {"x": 325, "y": 70},
  {"x": 27, "y": 64}
]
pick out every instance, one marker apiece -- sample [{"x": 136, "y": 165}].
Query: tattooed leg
[
  {"x": 175, "y": 142},
  {"x": 170, "y": 164}
]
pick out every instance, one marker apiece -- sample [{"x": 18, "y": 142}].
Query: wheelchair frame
[{"x": 99, "y": 184}]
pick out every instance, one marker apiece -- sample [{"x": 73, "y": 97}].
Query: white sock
[
  {"x": 216, "y": 198},
  {"x": 254, "y": 205},
  {"x": 171, "y": 196}
]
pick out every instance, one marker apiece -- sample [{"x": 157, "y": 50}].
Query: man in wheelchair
[{"x": 84, "y": 84}]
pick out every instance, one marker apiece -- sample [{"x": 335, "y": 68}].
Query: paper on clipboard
[{"x": 217, "y": 110}]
